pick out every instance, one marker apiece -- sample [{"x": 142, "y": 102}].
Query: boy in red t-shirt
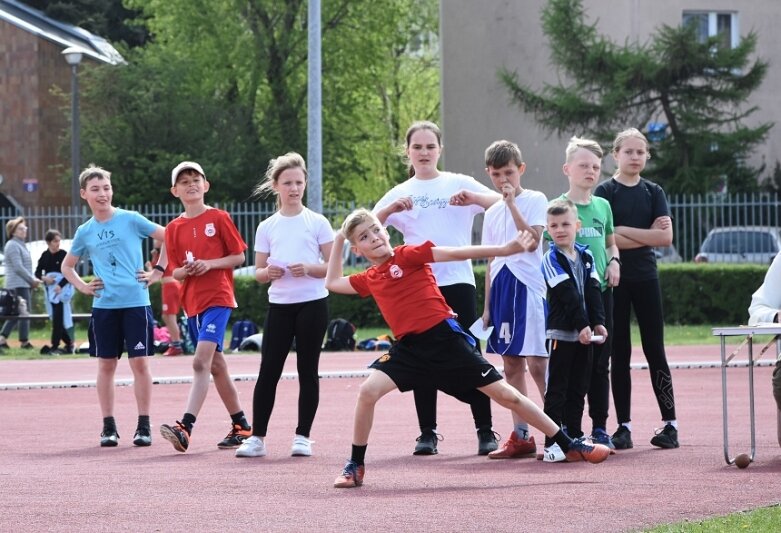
[
  {"x": 204, "y": 247},
  {"x": 431, "y": 347}
]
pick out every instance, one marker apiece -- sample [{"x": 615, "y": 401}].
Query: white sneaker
[
  {"x": 302, "y": 446},
  {"x": 553, "y": 454},
  {"x": 251, "y": 447}
]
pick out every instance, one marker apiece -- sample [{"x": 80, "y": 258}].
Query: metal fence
[{"x": 693, "y": 217}]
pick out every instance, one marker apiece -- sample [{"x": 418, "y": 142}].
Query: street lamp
[{"x": 73, "y": 55}]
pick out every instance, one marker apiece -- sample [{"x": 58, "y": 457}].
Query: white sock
[{"x": 673, "y": 423}]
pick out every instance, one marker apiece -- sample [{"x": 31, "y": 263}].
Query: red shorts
[{"x": 171, "y": 300}]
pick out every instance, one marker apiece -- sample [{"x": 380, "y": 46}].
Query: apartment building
[{"x": 478, "y": 38}]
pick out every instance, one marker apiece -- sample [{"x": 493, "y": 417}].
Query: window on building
[{"x": 723, "y": 24}]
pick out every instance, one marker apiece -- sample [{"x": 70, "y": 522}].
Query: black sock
[
  {"x": 562, "y": 440},
  {"x": 109, "y": 423},
  {"x": 358, "y": 455},
  {"x": 240, "y": 419},
  {"x": 143, "y": 422},
  {"x": 188, "y": 421}
]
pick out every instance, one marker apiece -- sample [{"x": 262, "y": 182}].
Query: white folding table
[{"x": 748, "y": 333}]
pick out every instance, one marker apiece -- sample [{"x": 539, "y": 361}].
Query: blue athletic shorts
[
  {"x": 518, "y": 317},
  {"x": 112, "y": 331},
  {"x": 210, "y": 325}
]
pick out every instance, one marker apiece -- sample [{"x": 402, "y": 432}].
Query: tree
[
  {"x": 106, "y": 18},
  {"x": 224, "y": 81},
  {"x": 696, "y": 89}
]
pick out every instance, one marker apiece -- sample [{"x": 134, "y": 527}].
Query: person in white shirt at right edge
[{"x": 765, "y": 308}]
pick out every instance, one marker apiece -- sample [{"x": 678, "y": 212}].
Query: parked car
[
  {"x": 667, "y": 254},
  {"x": 740, "y": 244}
]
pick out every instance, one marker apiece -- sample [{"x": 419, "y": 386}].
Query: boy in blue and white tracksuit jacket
[{"x": 574, "y": 311}]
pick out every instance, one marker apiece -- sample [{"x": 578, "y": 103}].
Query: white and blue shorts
[{"x": 518, "y": 317}]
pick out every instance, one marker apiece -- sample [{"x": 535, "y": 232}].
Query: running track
[{"x": 55, "y": 477}]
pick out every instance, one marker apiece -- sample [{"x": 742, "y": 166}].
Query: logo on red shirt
[
  {"x": 209, "y": 230},
  {"x": 396, "y": 271}
]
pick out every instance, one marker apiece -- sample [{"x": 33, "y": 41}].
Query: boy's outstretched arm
[
  {"x": 522, "y": 242},
  {"x": 483, "y": 199},
  {"x": 335, "y": 281}
]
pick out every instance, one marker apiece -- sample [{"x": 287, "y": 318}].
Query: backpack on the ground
[
  {"x": 241, "y": 330},
  {"x": 340, "y": 336},
  {"x": 381, "y": 343},
  {"x": 9, "y": 303}
]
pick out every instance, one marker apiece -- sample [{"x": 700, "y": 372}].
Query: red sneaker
[
  {"x": 173, "y": 350},
  {"x": 515, "y": 448},
  {"x": 351, "y": 476}
]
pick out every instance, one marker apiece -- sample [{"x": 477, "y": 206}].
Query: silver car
[{"x": 740, "y": 244}]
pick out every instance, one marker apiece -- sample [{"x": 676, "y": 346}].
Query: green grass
[
  {"x": 674, "y": 336},
  {"x": 764, "y": 519}
]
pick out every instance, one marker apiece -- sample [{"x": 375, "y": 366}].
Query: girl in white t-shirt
[
  {"x": 292, "y": 248},
  {"x": 430, "y": 206}
]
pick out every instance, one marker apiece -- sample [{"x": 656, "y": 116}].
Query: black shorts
[{"x": 444, "y": 357}]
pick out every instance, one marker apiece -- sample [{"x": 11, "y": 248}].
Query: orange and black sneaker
[
  {"x": 579, "y": 449},
  {"x": 235, "y": 437},
  {"x": 176, "y": 435},
  {"x": 351, "y": 476}
]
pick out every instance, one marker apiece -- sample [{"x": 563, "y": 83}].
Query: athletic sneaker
[
  {"x": 173, "y": 350},
  {"x": 176, "y": 435},
  {"x": 235, "y": 437},
  {"x": 427, "y": 443},
  {"x": 302, "y": 446},
  {"x": 553, "y": 454},
  {"x": 600, "y": 436},
  {"x": 487, "y": 441},
  {"x": 143, "y": 437},
  {"x": 109, "y": 438},
  {"x": 351, "y": 476},
  {"x": 251, "y": 447},
  {"x": 593, "y": 453},
  {"x": 515, "y": 448},
  {"x": 667, "y": 437},
  {"x": 622, "y": 438}
]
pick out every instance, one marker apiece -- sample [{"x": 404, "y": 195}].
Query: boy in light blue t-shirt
[{"x": 121, "y": 311}]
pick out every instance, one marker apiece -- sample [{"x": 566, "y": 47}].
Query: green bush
[
  {"x": 691, "y": 294},
  {"x": 708, "y": 293}
]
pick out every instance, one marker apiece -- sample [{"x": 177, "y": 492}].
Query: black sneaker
[
  {"x": 667, "y": 437},
  {"x": 487, "y": 441},
  {"x": 143, "y": 437},
  {"x": 109, "y": 438},
  {"x": 427, "y": 443},
  {"x": 176, "y": 435},
  {"x": 622, "y": 438}
]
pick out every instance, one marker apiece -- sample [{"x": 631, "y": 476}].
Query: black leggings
[
  {"x": 599, "y": 390},
  {"x": 305, "y": 322},
  {"x": 645, "y": 297},
  {"x": 461, "y": 298}
]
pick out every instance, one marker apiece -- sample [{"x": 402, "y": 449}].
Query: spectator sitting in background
[{"x": 765, "y": 308}]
